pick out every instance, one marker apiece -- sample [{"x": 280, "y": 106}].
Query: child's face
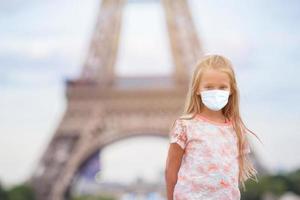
[{"x": 213, "y": 79}]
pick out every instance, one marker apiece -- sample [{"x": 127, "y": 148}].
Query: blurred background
[{"x": 45, "y": 43}]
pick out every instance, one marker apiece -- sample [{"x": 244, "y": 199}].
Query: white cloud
[
  {"x": 28, "y": 120},
  {"x": 40, "y": 48},
  {"x": 144, "y": 44}
]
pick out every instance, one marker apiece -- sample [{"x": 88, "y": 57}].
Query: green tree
[
  {"x": 3, "y": 193},
  {"x": 21, "y": 192},
  {"x": 294, "y": 181}
]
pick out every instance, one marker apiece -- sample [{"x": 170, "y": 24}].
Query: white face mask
[{"x": 214, "y": 99}]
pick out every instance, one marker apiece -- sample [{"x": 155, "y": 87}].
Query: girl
[{"x": 208, "y": 152}]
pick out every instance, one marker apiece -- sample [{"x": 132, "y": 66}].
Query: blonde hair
[{"x": 231, "y": 111}]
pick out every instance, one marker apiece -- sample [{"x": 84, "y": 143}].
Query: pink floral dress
[{"x": 209, "y": 167}]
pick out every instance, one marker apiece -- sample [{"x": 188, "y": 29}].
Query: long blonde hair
[{"x": 231, "y": 111}]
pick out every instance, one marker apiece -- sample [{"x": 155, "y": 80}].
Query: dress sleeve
[{"x": 178, "y": 133}]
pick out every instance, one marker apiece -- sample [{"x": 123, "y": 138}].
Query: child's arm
[{"x": 173, "y": 163}]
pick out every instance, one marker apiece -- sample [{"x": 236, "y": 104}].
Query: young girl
[{"x": 208, "y": 153}]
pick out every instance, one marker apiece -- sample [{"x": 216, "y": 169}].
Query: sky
[{"x": 43, "y": 43}]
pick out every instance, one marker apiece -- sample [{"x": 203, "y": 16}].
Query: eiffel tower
[{"x": 103, "y": 108}]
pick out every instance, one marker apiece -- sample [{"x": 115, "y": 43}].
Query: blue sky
[{"x": 43, "y": 43}]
